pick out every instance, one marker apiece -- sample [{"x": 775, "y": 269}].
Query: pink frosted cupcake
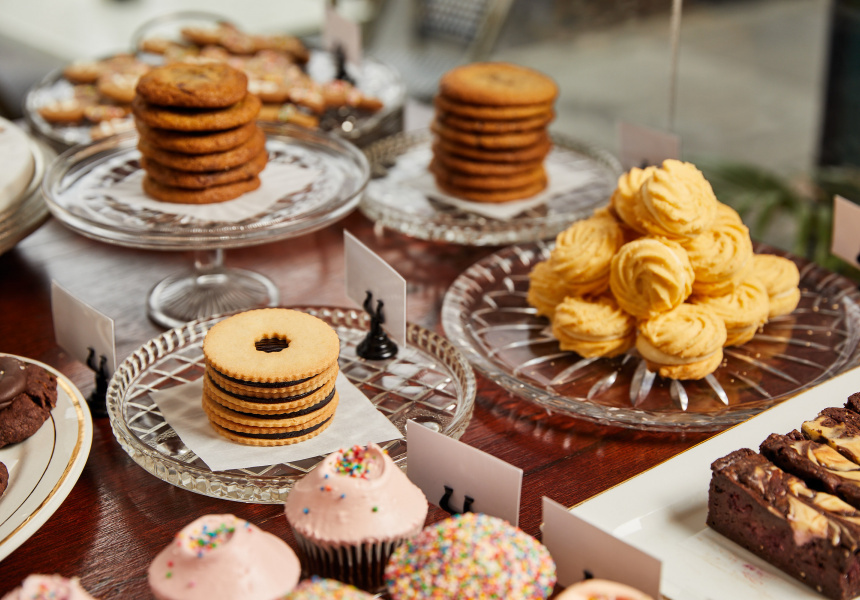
[
  {"x": 48, "y": 587},
  {"x": 221, "y": 556},
  {"x": 351, "y": 512},
  {"x": 318, "y": 588}
]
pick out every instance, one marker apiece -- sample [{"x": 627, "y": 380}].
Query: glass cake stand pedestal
[{"x": 312, "y": 180}]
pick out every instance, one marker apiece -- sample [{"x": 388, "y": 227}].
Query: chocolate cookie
[
  {"x": 211, "y": 195},
  {"x": 194, "y": 85},
  {"x": 198, "y": 181},
  {"x": 216, "y": 161},
  {"x": 190, "y": 119},
  {"x": 497, "y": 84},
  {"x": 4, "y": 478},
  {"x": 193, "y": 142},
  {"x": 27, "y": 395}
]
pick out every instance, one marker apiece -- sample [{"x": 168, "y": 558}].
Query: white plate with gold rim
[{"x": 44, "y": 468}]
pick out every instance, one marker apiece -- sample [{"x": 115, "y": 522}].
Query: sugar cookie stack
[
  {"x": 270, "y": 377},
  {"x": 491, "y": 131},
  {"x": 667, "y": 268},
  {"x": 199, "y": 139}
]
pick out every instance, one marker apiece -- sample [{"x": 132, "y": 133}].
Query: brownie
[
  {"x": 812, "y": 536},
  {"x": 853, "y": 402},
  {"x": 838, "y": 428},
  {"x": 819, "y": 465},
  {"x": 27, "y": 394}
]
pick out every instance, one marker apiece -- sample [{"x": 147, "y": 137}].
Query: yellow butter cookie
[
  {"x": 626, "y": 195},
  {"x": 593, "y": 327},
  {"x": 676, "y": 201},
  {"x": 683, "y": 343},
  {"x": 583, "y": 253},
  {"x": 781, "y": 279},
  {"x": 743, "y": 311},
  {"x": 650, "y": 275},
  {"x": 546, "y": 289},
  {"x": 720, "y": 257}
]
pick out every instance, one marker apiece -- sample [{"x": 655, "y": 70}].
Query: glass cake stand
[
  {"x": 28, "y": 211},
  {"x": 486, "y": 315},
  {"x": 78, "y": 188},
  {"x": 429, "y": 382},
  {"x": 392, "y": 202}
]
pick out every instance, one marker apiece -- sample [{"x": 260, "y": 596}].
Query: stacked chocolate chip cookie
[
  {"x": 491, "y": 131},
  {"x": 199, "y": 139}
]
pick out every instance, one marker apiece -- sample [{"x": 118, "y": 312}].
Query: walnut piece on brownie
[{"x": 27, "y": 395}]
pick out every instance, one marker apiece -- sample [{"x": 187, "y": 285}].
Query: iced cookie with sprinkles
[
  {"x": 351, "y": 512},
  {"x": 471, "y": 557},
  {"x": 320, "y": 588},
  {"x": 222, "y": 556},
  {"x": 49, "y": 587}
]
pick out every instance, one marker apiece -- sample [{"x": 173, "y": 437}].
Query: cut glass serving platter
[
  {"x": 429, "y": 382},
  {"x": 486, "y": 315},
  {"x": 393, "y": 201}
]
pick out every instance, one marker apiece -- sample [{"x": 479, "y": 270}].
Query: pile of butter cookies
[
  {"x": 490, "y": 130},
  {"x": 666, "y": 268},
  {"x": 198, "y": 136},
  {"x": 270, "y": 376}
]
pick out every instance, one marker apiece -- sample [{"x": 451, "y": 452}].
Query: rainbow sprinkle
[
  {"x": 318, "y": 588},
  {"x": 209, "y": 539},
  {"x": 354, "y": 462}
]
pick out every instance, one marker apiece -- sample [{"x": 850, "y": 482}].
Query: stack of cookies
[
  {"x": 491, "y": 131},
  {"x": 199, "y": 140},
  {"x": 665, "y": 268},
  {"x": 270, "y": 377}
]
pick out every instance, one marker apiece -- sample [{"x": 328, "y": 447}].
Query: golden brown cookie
[
  {"x": 482, "y": 167},
  {"x": 301, "y": 416},
  {"x": 493, "y": 196},
  {"x": 489, "y": 141},
  {"x": 118, "y": 87},
  {"x": 186, "y": 119},
  {"x": 593, "y": 326},
  {"x": 264, "y": 405},
  {"x": 212, "y": 195},
  {"x": 287, "y": 392},
  {"x": 486, "y": 182},
  {"x": 196, "y": 142},
  {"x": 744, "y": 310},
  {"x": 491, "y": 113},
  {"x": 288, "y": 113},
  {"x": 676, "y": 201},
  {"x": 215, "y": 161},
  {"x": 530, "y": 153},
  {"x": 626, "y": 195},
  {"x": 209, "y": 85},
  {"x": 199, "y": 180},
  {"x": 70, "y": 110},
  {"x": 497, "y": 84},
  {"x": 546, "y": 289},
  {"x": 583, "y": 254},
  {"x": 649, "y": 276},
  {"x": 480, "y": 126},
  {"x": 84, "y": 71},
  {"x": 683, "y": 343},
  {"x": 781, "y": 279},
  {"x": 719, "y": 256},
  {"x": 284, "y": 438}
]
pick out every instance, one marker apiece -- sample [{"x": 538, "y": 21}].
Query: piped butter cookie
[
  {"x": 743, "y": 311},
  {"x": 781, "y": 278},
  {"x": 676, "y": 201},
  {"x": 593, "y": 327},
  {"x": 583, "y": 254}
]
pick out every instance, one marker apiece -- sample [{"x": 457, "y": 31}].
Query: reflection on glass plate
[
  {"x": 393, "y": 201},
  {"x": 27, "y": 212},
  {"x": 429, "y": 382},
  {"x": 77, "y": 187},
  {"x": 486, "y": 315},
  {"x": 44, "y": 468}
]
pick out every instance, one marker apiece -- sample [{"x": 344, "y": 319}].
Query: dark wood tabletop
[{"x": 118, "y": 516}]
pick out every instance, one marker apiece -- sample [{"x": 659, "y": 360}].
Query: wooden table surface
[{"x": 118, "y": 516}]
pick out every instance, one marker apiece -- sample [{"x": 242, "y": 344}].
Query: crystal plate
[
  {"x": 392, "y": 202},
  {"x": 77, "y": 188},
  {"x": 29, "y": 210},
  {"x": 429, "y": 382},
  {"x": 486, "y": 315}
]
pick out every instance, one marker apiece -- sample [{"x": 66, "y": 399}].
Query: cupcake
[
  {"x": 601, "y": 589},
  {"x": 226, "y": 557},
  {"x": 351, "y": 512},
  {"x": 48, "y": 587},
  {"x": 470, "y": 556},
  {"x": 318, "y": 588}
]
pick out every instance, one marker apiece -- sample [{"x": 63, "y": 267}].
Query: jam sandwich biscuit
[
  {"x": 593, "y": 327},
  {"x": 781, "y": 279},
  {"x": 267, "y": 404}
]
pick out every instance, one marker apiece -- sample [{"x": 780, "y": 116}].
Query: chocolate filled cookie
[{"x": 27, "y": 395}]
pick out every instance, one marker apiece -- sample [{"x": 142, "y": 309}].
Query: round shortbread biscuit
[
  {"x": 297, "y": 436},
  {"x": 201, "y": 180},
  {"x": 676, "y": 201},
  {"x": 497, "y": 84},
  {"x": 491, "y": 113},
  {"x": 649, "y": 276},
  {"x": 485, "y": 182},
  {"x": 483, "y": 167},
  {"x": 489, "y": 141},
  {"x": 201, "y": 142},
  {"x": 186, "y": 119},
  {"x": 263, "y": 406},
  {"x": 593, "y": 327},
  {"x": 719, "y": 257},
  {"x": 583, "y": 254},
  {"x": 282, "y": 391},
  {"x": 683, "y": 343},
  {"x": 211, "y": 195},
  {"x": 230, "y": 346},
  {"x": 481, "y": 126},
  {"x": 546, "y": 289},
  {"x": 781, "y": 279},
  {"x": 216, "y": 161},
  {"x": 626, "y": 195},
  {"x": 304, "y": 416},
  {"x": 535, "y": 152},
  {"x": 193, "y": 85},
  {"x": 743, "y": 311},
  {"x": 493, "y": 196}
]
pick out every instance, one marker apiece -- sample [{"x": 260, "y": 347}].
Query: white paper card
[
  {"x": 436, "y": 461},
  {"x": 340, "y": 31},
  {"x": 356, "y": 421},
  {"x": 846, "y": 231},
  {"x": 642, "y": 146},
  {"x": 79, "y": 327},
  {"x": 366, "y": 272},
  {"x": 578, "y": 547}
]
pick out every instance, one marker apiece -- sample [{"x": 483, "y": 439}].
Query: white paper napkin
[
  {"x": 356, "y": 421},
  {"x": 276, "y": 181}
]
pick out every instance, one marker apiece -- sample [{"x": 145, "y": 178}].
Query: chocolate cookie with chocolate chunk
[
  {"x": 27, "y": 395},
  {"x": 4, "y": 478}
]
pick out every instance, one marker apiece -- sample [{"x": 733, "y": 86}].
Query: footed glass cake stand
[{"x": 312, "y": 180}]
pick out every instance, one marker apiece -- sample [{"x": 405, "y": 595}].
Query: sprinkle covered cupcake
[
  {"x": 222, "y": 556},
  {"x": 48, "y": 587},
  {"x": 351, "y": 512},
  {"x": 470, "y": 557},
  {"x": 319, "y": 588}
]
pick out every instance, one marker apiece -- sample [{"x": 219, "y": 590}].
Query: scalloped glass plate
[
  {"x": 429, "y": 381},
  {"x": 76, "y": 182},
  {"x": 486, "y": 315},
  {"x": 372, "y": 77},
  {"x": 391, "y": 202}
]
